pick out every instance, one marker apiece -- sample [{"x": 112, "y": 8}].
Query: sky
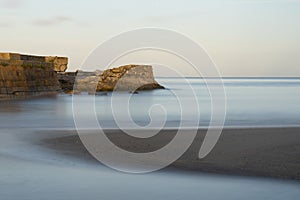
[{"x": 242, "y": 37}]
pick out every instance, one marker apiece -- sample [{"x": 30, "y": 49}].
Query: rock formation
[
  {"x": 124, "y": 78},
  {"x": 129, "y": 78},
  {"x": 66, "y": 81},
  {"x": 60, "y": 64},
  {"x": 26, "y": 75},
  {"x": 86, "y": 81}
]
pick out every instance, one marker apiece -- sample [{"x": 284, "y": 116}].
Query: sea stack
[
  {"x": 125, "y": 78},
  {"x": 128, "y": 78}
]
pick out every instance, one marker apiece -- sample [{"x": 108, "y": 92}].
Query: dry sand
[{"x": 269, "y": 152}]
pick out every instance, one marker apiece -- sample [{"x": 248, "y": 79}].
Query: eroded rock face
[
  {"x": 66, "y": 81},
  {"x": 85, "y": 81},
  {"x": 128, "y": 78},
  {"x": 60, "y": 64},
  {"x": 25, "y": 75},
  {"x": 125, "y": 78}
]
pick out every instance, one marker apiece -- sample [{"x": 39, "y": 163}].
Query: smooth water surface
[
  {"x": 249, "y": 103},
  {"x": 28, "y": 171}
]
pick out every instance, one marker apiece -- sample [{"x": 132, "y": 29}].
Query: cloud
[
  {"x": 12, "y": 4},
  {"x": 52, "y": 21}
]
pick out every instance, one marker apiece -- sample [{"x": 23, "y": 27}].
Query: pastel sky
[{"x": 243, "y": 37}]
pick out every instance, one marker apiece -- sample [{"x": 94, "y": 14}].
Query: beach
[
  {"x": 150, "y": 100},
  {"x": 245, "y": 164},
  {"x": 256, "y": 157},
  {"x": 265, "y": 152}
]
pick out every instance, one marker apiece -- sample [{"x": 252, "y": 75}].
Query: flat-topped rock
[
  {"x": 27, "y": 75},
  {"x": 124, "y": 78},
  {"x": 128, "y": 78},
  {"x": 59, "y": 64}
]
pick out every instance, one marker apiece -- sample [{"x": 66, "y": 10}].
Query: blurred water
[
  {"x": 28, "y": 171},
  {"x": 250, "y": 102}
]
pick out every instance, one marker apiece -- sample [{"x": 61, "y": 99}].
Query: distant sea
[{"x": 250, "y": 102}]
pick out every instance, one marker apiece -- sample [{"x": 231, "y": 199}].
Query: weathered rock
[
  {"x": 60, "y": 63},
  {"x": 128, "y": 78},
  {"x": 66, "y": 81},
  {"x": 86, "y": 83},
  {"x": 25, "y": 75}
]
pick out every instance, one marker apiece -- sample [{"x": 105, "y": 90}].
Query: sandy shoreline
[{"x": 267, "y": 152}]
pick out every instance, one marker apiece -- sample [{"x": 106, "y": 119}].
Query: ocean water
[
  {"x": 250, "y": 102},
  {"x": 31, "y": 171}
]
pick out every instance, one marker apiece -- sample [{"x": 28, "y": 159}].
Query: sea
[
  {"x": 244, "y": 102},
  {"x": 29, "y": 171}
]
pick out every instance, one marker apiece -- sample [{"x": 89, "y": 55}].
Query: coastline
[{"x": 259, "y": 152}]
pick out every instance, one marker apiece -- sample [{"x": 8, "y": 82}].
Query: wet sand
[{"x": 266, "y": 152}]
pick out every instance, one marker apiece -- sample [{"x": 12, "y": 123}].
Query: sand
[{"x": 267, "y": 152}]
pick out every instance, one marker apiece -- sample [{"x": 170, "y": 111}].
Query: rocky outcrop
[
  {"x": 60, "y": 64},
  {"x": 66, "y": 81},
  {"x": 129, "y": 78},
  {"x": 124, "y": 78},
  {"x": 86, "y": 81},
  {"x": 26, "y": 75}
]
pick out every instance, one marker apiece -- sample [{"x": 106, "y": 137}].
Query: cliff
[{"x": 26, "y": 75}]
